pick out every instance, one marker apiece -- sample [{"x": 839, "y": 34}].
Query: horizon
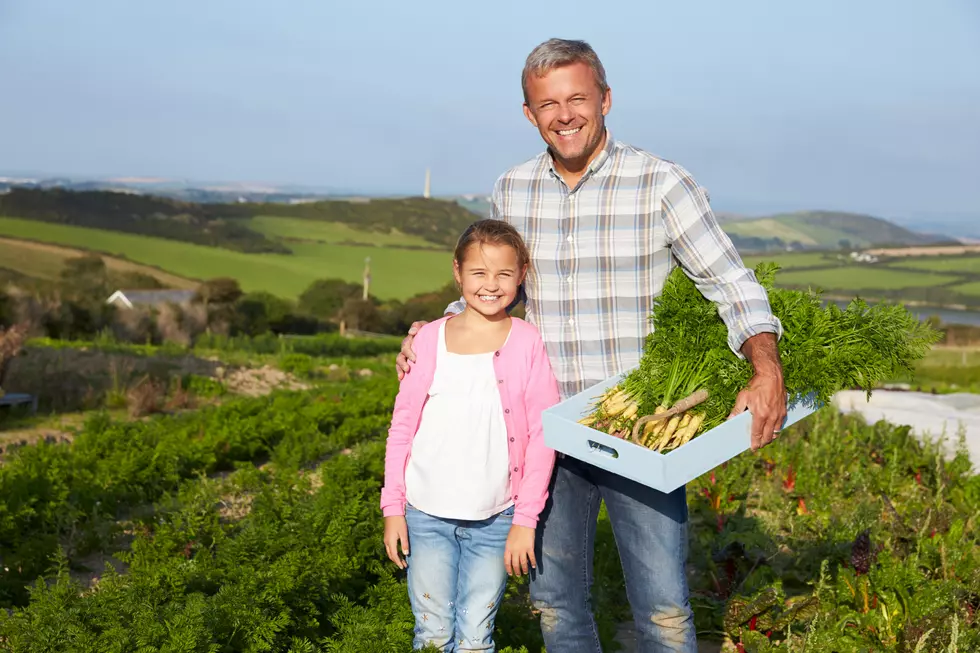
[
  {"x": 958, "y": 222},
  {"x": 771, "y": 109}
]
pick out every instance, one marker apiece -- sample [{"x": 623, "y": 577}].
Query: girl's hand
[
  {"x": 519, "y": 550},
  {"x": 396, "y": 530}
]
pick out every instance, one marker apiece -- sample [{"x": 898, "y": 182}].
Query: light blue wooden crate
[{"x": 665, "y": 472}]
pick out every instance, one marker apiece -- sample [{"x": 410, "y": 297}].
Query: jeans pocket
[{"x": 507, "y": 512}]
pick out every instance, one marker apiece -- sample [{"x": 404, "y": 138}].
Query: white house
[{"x": 133, "y": 298}]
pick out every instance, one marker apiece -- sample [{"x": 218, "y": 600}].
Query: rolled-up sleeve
[{"x": 709, "y": 258}]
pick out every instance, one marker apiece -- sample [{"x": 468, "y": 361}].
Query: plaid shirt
[{"x": 600, "y": 254}]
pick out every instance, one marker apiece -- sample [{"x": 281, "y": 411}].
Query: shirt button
[
  {"x": 515, "y": 497},
  {"x": 512, "y": 439},
  {"x": 496, "y": 353},
  {"x": 500, "y": 380},
  {"x": 571, "y": 320},
  {"x": 569, "y": 279},
  {"x": 506, "y": 410},
  {"x": 515, "y": 469},
  {"x": 568, "y": 238}
]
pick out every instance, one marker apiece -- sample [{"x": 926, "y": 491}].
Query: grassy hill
[
  {"x": 203, "y": 224},
  {"x": 396, "y": 273},
  {"x": 820, "y": 230},
  {"x": 425, "y": 223},
  {"x": 44, "y": 261},
  {"x": 300, "y": 230},
  {"x": 437, "y": 222},
  {"x": 408, "y": 242}
]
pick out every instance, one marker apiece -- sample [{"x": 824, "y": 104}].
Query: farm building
[{"x": 132, "y": 298}]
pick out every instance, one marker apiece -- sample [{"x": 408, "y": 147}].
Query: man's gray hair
[{"x": 555, "y": 53}]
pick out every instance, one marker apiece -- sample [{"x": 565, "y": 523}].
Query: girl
[{"x": 466, "y": 467}]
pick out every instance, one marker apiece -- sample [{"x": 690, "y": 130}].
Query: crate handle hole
[{"x": 602, "y": 449}]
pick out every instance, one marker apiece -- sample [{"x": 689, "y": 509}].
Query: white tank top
[{"x": 459, "y": 467}]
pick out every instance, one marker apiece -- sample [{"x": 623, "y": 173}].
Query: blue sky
[{"x": 870, "y": 105}]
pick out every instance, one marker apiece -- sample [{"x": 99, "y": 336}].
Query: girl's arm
[
  {"x": 399, "y": 443},
  {"x": 539, "y": 460}
]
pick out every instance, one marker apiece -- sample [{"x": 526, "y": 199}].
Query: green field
[
  {"x": 823, "y": 229},
  {"x": 45, "y": 261},
  {"x": 789, "y": 261},
  {"x": 819, "y": 233},
  {"x": 852, "y": 278},
  {"x": 395, "y": 273},
  {"x": 972, "y": 288},
  {"x": 29, "y": 261},
  {"x": 769, "y": 228},
  {"x": 968, "y": 264},
  {"x": 318, "y": 232},
  {"x": 398, "y": 273}
]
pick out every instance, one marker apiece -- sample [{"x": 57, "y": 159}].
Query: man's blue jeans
[
  {"x": 456, "y": 578},
  {"x": 650, "y": 528}
]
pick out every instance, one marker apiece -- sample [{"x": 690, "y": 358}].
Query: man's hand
[
  {"x": 519, "y": 550},
  {"x": 396, "y": 530},
  {"x": 406, "y": 354},
  {"x": 765, "y": 396}
]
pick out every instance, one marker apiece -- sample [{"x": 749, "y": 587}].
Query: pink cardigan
[{"x": 527, "y": 386}]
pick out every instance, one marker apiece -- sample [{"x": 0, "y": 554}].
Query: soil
[
  {"x": 255, "y": 382},
  {"x": 72, "y": 381}
]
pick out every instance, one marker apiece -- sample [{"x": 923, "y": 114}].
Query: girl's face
[{"x": 489, "y": 277}]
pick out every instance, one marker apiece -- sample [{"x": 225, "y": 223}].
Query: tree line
[
  {"x": 74, "y": 307},
  {"x": 438, "y": 222},
  {"x": 201, "y": 224}
]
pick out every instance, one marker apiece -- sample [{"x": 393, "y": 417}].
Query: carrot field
[{"x": 251, "y": 523}]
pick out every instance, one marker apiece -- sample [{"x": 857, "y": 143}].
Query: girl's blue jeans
[{"x": 456, "y": 578}]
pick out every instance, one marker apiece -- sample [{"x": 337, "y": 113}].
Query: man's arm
[{"x": 709, "y": 258}]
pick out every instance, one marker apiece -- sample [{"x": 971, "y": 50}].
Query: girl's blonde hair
[{"x": 493, "y": 232}]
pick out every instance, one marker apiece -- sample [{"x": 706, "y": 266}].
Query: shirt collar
[{"x": 595, "y": 165}]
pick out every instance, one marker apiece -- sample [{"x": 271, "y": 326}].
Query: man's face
[{"x": 568, "y": 108}]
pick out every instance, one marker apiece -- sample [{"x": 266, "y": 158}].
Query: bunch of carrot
[
  {"x": 668, "y": 427},
  {"x": 688, "y": 378}
]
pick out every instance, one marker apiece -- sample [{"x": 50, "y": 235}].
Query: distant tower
[
  {"x": 428, "y": 183},
  {"x": 367, "y": 277}
]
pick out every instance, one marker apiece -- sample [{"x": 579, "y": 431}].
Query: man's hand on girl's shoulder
[
  {"x": 406, "y": 354},
  {"x": 519, "y": 550}
]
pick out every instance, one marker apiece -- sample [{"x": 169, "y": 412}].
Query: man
[{"x": 605, "y": 223}]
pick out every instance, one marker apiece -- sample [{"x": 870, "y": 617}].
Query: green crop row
[
  {"x": 324, "y": 345},
  {"x": 74, "y": 495},
  {"x": 842, "y": 536}
]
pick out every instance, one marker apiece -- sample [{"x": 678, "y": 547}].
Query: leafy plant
[{"x": 688, "y": 358}]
